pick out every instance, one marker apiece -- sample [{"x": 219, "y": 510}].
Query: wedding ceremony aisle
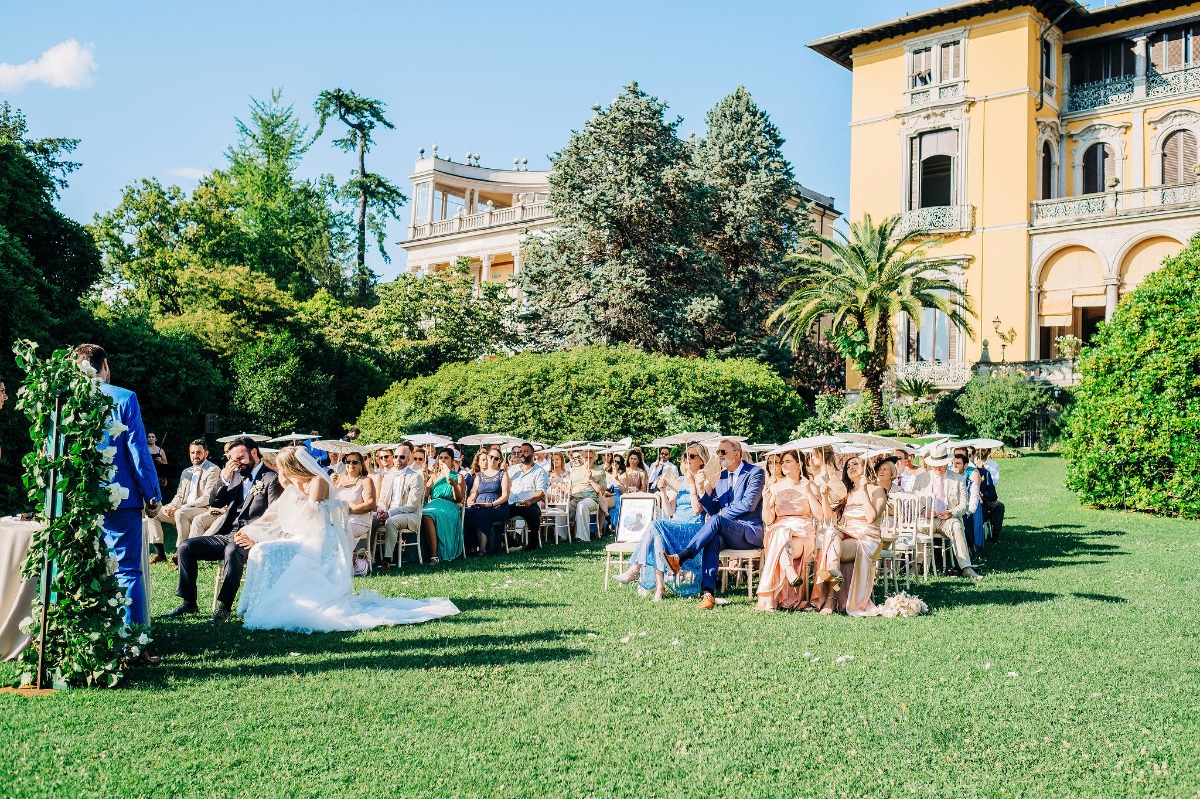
[{"x": 1070, "y": 670}]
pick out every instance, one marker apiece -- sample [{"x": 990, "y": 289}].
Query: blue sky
[{"x": 504, "y": 79}]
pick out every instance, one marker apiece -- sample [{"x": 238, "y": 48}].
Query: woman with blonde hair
[
  {"x": 648, "y": 561},
  {"x": 299, "y": 574},
  {"x": 792, "y": 510}
]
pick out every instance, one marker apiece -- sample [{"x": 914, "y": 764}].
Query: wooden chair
[{"x": 741, "y": 563}]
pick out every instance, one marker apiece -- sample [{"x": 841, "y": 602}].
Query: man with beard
[
  {"x": 528, "y": 483},
  {"x": 248, "y": 486}
]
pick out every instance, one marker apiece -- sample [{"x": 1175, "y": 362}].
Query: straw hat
[{"x": 939, "y": 455}]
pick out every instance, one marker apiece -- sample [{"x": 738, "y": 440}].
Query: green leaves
[
  {"x": 587, "y": 393},
  {"x": 84, "y": 620},
  {"x": 1131, "y": 436}
]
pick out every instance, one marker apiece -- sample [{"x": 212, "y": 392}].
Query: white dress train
[{"x": 298, "y": 574}]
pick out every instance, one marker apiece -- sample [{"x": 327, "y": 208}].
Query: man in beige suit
[
  {"x": 401, "y": 502},
  {"x": 949, "y": 493},
  {"x": 189, "y": 502}
]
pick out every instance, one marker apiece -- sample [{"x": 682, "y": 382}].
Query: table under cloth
[{"x": 16, "y": 593}]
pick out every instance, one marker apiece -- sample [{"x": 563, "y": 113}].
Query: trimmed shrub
[
  {"x": 1000, "y": 406},
  {"x": 1131, "y": 437},
  {"x": 588, "y": 393}
]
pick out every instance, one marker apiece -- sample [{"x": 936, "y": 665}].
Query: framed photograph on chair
[{"x": 638, "y": 512}]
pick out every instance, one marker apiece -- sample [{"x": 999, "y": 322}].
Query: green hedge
[
  {"x": 589, "y": 393},
  {"x": 1132, "y": 435}
]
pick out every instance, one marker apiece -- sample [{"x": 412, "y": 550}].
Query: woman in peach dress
[
  {"x": 855, "y": 539},
  {"x": 792, "y": 508}
]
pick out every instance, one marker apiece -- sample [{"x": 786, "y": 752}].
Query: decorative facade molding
[
  {"x": 1098, "y": 132},
  {"x": 1167, "y": 125}
]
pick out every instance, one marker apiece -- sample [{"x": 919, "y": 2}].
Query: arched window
[
  {"x": 933, "y": 169},
  {"x": 1179, "y": 157},
  {"x": 1099, "y": 164},
  {"x": 1047, "y": 191}
]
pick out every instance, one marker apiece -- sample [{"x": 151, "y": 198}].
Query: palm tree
[
  {"x": 873, "y": 275},
  {"x": 915, "y": 388}
]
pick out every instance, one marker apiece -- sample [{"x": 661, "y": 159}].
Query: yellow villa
[{"x": 1053, "y": 147}]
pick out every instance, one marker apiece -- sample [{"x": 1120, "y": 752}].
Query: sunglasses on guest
[{"x": 352, "y": 462}]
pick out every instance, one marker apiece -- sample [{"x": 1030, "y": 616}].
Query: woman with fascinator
[{"x": 299, "y": 569}]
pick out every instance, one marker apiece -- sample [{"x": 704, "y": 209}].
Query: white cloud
[
  {"x": 187, "y": 172},
  {"x": 68, "y": 65}
]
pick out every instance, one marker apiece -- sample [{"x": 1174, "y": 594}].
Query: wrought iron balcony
[
  {"x": 1100, "y": 93},
  {"x": 1131, "y": 202},
  {"x": 943, "y": 374},
  {"x": 1179, "y": 81},
  {"x": 939, "y": 219}
]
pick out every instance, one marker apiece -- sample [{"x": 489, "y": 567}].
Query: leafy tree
[
  {"x": 293, "y": 234},
  {"x": 1001, "y": 405},
  {"x": 276, "y": 387},
  {"x": 624, "y": 262},
  {"x": 873, "y": 275},
  {"x": 1131, "y": 435},
  {"x": 378, "y": 199},
  {"x": 755, "y": 219},
  {"x": 47, "y": 155}
]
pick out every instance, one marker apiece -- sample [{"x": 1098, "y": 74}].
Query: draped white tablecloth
[{"x": 16, "y": 594}]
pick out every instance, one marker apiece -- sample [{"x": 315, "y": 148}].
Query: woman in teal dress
[
  {"x": 441, "y": 518},
  {"x": 681, "y": 502}
]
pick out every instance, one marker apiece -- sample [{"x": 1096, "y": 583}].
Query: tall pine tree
[{"x": 624, "y": 263}]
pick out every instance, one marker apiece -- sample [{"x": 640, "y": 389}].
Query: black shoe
[
  {"x": 221, "y": 614},
  {"x": 182, "y": 610},
  {"x": 531, "y": 547}
]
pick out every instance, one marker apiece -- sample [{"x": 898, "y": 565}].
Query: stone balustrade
[
  {"x": 490, "y": 218},
  {"x": 1149, "y": 200}
]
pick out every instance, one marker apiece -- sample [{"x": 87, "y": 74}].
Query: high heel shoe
[{"x": 629, "y": 576}]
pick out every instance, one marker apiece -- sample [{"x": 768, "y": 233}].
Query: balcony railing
[
  {"x": 943, "y": 374},
  {"x": 1150, "y": 200},
  {"x": 1100, "y": 93},
  {"x": 493, "y": 217},
  {"x": 929, "y": 94},
  {"x": 1179, "y": 81},
  {"x": 940, "y": 219},
  {"x": 1125, "y": 89}
]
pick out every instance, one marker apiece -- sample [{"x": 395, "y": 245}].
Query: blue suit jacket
[
  {"x": 740, "y": 499},
  {"x": 135, "y": 467}
]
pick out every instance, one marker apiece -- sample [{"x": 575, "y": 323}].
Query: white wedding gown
[{"x": 298, "y": 575}]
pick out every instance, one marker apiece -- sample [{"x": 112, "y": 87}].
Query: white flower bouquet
[{"x": 903, "y": 605}]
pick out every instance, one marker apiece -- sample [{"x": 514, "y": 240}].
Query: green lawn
[{"x": 1071, "y": 671}]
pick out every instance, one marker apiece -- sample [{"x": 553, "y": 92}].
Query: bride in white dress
[{"x": 298, "y": 573}]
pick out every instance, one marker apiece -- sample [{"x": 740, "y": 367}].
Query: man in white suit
[
  {"x": 400, "y": 502},
  {"x": 949, "y": 493},
  {"x": 190, "y": 500}
]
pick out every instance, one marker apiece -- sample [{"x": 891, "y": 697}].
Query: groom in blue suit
[
  {"x": 136, "y": 474},
  {"x": 734, "y": 518}
]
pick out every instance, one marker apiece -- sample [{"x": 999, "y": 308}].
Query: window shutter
[
  {"x": 914, "y": 173},
  {"x": 1110, "y": 166},
  {"x": 1158, "y": 51},
  {"x": 1171, "y": 160},
  {"x": 951, "y": 61},
  {"x": 1174, "y": 49},
  {"x": 922, "y": 65},
  {"x": 1188, "y": 156},
  {"x": 1093, "y": 166},
  {"x": 1047, "y": 172}
]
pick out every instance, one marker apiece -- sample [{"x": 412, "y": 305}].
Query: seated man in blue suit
[{"x": 734, "y": 518}]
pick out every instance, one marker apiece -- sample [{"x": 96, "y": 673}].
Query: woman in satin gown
[
  {"x": 792, "y": 509},
  {"x": 298, "y": 573},
  {"x": 855, "y": 540},
  {"x": 682, "y": 503},
  {"x": 442, "y": 516}
]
